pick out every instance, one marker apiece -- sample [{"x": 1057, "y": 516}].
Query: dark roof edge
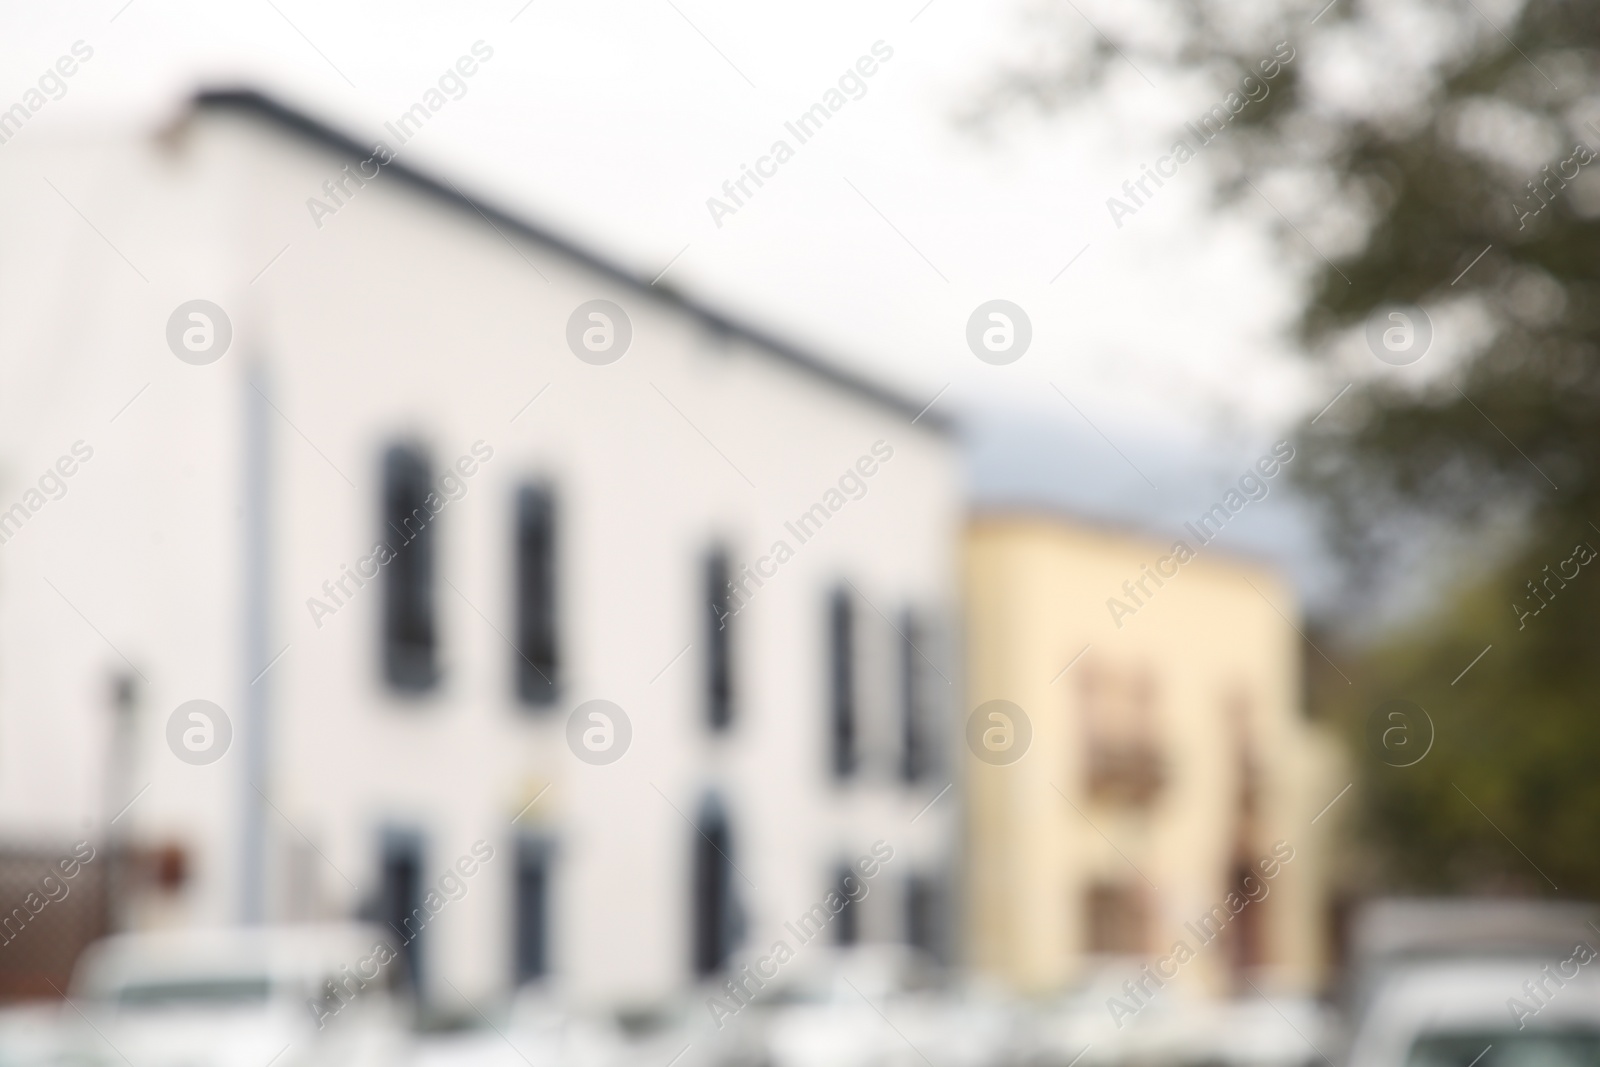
[{"x": 256, "y": 102}]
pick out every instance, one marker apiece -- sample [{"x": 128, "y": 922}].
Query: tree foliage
[{"x": 1441, "y": 162}]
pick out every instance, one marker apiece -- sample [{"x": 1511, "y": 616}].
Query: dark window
[
  {"x": 1246, "y": 935},
  {"x": 410, "y": 635},
  {"x": 1117, "y": 919},
  {"x": 842, "y": 683},
  {"x": 847, "y": 925},
  {"x": 1122, "y": 746},
  {"x": 400, "y": 909},
  {"x": 719, "y": 666},
  {"x": 715, "y": 917},
  {"x": 914, "y": 754},
  {"x": 922, "y": 914},
  {"x": 532, "y": 910},
  {"x": 537, "y": 646}
]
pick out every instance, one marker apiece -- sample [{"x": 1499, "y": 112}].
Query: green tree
[{"x": 1467, "y": 177}]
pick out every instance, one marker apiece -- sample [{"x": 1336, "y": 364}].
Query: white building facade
[{"x": 410, "y": 487}]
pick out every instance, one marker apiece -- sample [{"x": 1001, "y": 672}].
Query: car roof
[{"x": 274, "y": 951}]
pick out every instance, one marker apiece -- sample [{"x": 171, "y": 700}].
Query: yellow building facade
[{"x": 1142, "y": 779}]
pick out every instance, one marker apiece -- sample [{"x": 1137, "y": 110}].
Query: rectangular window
[
  {"x": 536, "y": 663},
  {"x": 847, "y": 925},
  {"x": 410, "y": 632},
  {"x": 1246, "y": 936},
  {"x": 1117, "y": 919},
  {"x": 719, "y": 665},
  {"x": 842, "y": 683},
  {"x": 532, "y": 903},
  {"x": 914, "y": 754},
  {"x": 1122, "y": 747},
  {"x": 716, "y": 922},
  {"x": 922, "y": 914},
  {"x": 400, "y": 909}
]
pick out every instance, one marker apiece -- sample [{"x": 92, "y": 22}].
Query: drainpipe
[{"x": 257, "y": 654}]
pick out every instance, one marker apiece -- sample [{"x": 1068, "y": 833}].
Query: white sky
[{"x": 612, "y": 122}]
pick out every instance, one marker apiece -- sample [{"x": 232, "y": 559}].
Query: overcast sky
[{"x": 614, "y": 122}]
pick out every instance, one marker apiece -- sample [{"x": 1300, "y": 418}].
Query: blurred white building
[{"x": 397, "y": 499}]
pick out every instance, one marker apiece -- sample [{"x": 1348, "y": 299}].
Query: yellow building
[{"x": 1142, "y": 780}]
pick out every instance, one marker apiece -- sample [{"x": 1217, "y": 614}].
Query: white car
[
  {"x": 30, "y": 1035},
  {"x": 540, "y": 1028},
  {"x": 879, "y": 1006},
  {"x": 1180, "y": 1027},
  {"x": 1452, "y": 1013},
  {"x": 314, "y": 996}
]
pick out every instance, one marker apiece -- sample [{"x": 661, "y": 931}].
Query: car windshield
[
  {"x": 220, "y": 992},
  {"x": 1508, "y": 1048}
]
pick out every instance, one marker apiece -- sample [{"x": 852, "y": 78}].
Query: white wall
[{"x": 407, "y": 316}]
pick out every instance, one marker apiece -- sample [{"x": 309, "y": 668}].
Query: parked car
[
  {"x": 314, "y": 996},
  {"x": 1461, "y": 1012},
  {"x": 541, "y": 1028},
  {"x": 30, "y": 1035},
  {"x": 1182, "y": 1028},
  {"x": 879, "y": 1006}
]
